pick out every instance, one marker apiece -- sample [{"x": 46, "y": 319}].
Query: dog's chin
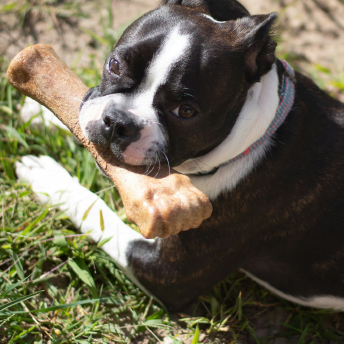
[
  {"x": 132, "y": 161},
  {"x": 144, "y": 161},
  {"x": 129, "y": 159},
  {"x": 136, "y": 160},
  {"x": 149, "y": 157}
]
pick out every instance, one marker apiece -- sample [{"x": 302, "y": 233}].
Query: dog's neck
[
  {"x": 253, "y": 122},
  {"x": 254, "y": 119}
]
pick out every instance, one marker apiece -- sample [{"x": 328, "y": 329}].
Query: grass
[{"x": 57, "y": 287}]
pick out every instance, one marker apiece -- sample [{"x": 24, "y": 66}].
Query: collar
[{"x": 286, "y": 102}]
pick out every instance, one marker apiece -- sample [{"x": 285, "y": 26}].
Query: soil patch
[{"x": 311, "y": 30}]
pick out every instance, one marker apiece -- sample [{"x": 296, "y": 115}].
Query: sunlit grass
[{"x": 57, "y": 287}]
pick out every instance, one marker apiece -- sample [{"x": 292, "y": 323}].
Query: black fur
[{"x": 283, "y": 222}]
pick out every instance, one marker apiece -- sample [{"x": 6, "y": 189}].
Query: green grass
[{"x": 57, "y": 287}]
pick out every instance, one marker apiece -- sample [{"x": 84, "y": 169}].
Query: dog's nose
[{"x": 119, "y": 126}]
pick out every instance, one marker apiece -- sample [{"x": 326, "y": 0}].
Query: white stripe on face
[{"x": 158, "y": 72}]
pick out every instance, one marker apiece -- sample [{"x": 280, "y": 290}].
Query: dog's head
[{"x": 175, "y": 82}]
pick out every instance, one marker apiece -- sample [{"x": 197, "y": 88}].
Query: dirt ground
[
  {"x": 312, "y": 29},
  {"x": 69, "y": 35},
  {"x": 309, "y": 29}
]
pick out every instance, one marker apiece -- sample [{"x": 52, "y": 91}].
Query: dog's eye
[
  {"x": 185, "y": 111},
  {"x": 114, "y": 66}
]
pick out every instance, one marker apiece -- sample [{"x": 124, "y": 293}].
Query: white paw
[
  {"x": 31, "y": 108},
  {"x": 47, "y": 178}
]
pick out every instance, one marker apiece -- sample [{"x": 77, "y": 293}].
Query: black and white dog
[{"x": 197, "y": 82}]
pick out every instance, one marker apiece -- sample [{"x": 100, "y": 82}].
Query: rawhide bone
[{"x": 160, "y": 206}]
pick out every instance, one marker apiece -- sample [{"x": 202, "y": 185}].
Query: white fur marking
[
  {"x": 326, "y": 301},
  {"x": 212, "y": 19},
  {"x": 158, "y": 72},
  {"x": 93, "y": 109},
  {"x": 254, "y": 119},
  {"x": 31, "y": 108},
  {"x": 228, "y": 177},
  {"x": 94, "y": 112}
]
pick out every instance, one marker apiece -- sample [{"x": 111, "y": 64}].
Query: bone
[{"x": 162, "y": 203}]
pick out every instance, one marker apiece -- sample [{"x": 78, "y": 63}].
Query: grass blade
[
  {"x": 35, "y": 221},
  {"x": 80, "y": 268},
  {"x": 22, "y": 334},
  {"x": 18, "y": 265},
  {"x": 88, "y": 210},
  {"x": 13, "y": 286},
  {"x": 102, "y": 227},
  {"x": 14, "y": 134},
  {"x": 240, "y": 306},
  {"x": 195, "y": 338},
  {"x": 58, "y": 307},
  {"x": 21, "y": 299},
  {"x": 103, "y": 242}
]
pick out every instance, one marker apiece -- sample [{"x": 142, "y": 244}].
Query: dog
[{"x": 196, "y": 83}]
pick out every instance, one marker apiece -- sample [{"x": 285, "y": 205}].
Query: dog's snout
[
  {"x": 107, "y": 124},
  {"x": 117, "y": 126}
]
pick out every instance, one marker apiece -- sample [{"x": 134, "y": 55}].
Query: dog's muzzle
[{"x": 112, "y": 126}]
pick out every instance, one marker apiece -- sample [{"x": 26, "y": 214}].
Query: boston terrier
[{"x": 196, "y": 84}]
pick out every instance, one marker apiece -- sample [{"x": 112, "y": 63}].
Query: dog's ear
[
  {"x": 254, "y": 40},
  {"x": 221, "y": 10},
  {"x": 201, "y": 5}
]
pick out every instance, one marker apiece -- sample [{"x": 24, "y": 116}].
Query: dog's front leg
[
  {"x": 172, "y": 269},
  {"x": 54, "y": 185}
]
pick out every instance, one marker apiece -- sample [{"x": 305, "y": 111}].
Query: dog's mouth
[
  {"x": 137, "y": 157},
  {"x": 152, "y": 158},
  {"x": 134, "y": 138}
]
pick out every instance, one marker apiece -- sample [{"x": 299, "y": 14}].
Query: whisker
[
  {"x": 157, "y": 156},
  {"x": 148, "y": 167},
  {"x": 168, "y": 163},
  {"x": 151, "y": 167}
]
